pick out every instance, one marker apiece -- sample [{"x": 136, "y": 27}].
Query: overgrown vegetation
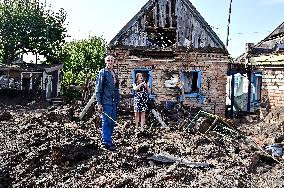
[
  {"x": 82, "y": 58},
  {"x": 30, "y": 26}
]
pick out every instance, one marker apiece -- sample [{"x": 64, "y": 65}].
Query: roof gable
[{"x": 167, "y": 23}]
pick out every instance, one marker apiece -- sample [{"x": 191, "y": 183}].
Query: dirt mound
[
  {"x": 46, "y": 148},
  {"x": 18, "y": 97}
]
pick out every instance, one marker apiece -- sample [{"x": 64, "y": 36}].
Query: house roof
[
  {"x": 30, "y": 67},
  {"x": 279, "y": 30},
  {"x": 175, "y": 22},
  {"x": 272, "y": 42},
  {"x": 241, "y": 58},
  {"x": 266, "y": 52}
]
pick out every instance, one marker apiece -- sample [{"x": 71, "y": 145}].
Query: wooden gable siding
[
  {"x": 167, "y": 23},
  {"x": 190, "y": 30}
]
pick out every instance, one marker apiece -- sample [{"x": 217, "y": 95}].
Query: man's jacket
[{"x": 106, "y": 91}]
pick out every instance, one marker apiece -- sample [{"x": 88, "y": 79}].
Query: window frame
[
  {"x": 197, "y": 94},
  {"x": 255, "y": 76}
]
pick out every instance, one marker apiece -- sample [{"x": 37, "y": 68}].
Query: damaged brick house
[
  {"x": 178, "y": 53},
  {"x": 26, "y": 76},
  {"x": 265, "y": 66}
]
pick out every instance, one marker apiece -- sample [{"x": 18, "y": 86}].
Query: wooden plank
[{"x": 87, "y": 107}]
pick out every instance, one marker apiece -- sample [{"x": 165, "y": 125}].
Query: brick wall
[
  {"x": 273, "y": 87},
  {"x": 213, "y": 67}
]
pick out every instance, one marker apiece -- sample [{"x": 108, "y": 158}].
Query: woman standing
[{"x": 140, "y": 99}]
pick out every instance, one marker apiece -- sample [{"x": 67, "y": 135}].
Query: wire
[{"x": 228, "y": 28}]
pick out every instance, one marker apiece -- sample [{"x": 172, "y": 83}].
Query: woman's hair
[{"x": 136, "y": 77}]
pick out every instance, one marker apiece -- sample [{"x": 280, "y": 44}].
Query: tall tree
[
  {"x": 82, "y": 58},
  {"x": 30, "y": 26}
]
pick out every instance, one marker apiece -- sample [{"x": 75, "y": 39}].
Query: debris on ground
[
  {"x": 48, "y": 146},
  {"x": 165, "y": 157}
]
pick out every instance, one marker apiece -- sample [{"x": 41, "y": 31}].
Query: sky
[{"x": 251, "y": 20}]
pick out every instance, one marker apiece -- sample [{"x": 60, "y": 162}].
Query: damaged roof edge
[
  {"x": 130, "y": 23},
  {"x": 176, "y": 49},
  {"x": 277, "y": 31},
  {"x": 273, "y": 33},
  {"x": 31, "y": 67}
]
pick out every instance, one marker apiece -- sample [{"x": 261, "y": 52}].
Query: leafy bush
[{"x": 82, "y": 58}]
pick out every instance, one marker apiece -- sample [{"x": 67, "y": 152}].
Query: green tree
[
  {"x": 30, "y": 26},
  {"x": 82, "y": 58}
]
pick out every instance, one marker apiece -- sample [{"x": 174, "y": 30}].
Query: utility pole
[{"x": 228, "y": 27}]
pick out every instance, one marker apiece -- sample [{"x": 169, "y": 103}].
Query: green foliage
[
  {"x": 29, "y": 26},
  {"x": 82, "y": 58},
  {"x": 71, "y": 94}
]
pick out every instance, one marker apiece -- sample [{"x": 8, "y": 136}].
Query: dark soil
[{"x": 44, "y": 146}]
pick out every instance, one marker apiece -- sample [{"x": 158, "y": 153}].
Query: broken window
[
  {"x": 257, "y": 86},
  {"x": 36, "y": 81},
  {"x": 147, "y": 77},
  {"x": 191, "y": 82},
  {"x": 26, "y": 81}
]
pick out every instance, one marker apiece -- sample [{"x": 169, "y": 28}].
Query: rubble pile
[
  {"x": 49, "y": 147},
  {"x": 268, "y": 130}
]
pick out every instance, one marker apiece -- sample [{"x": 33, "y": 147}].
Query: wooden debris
[
  {"x": 170, "y": 159},
  {"x": 41, "y": 144},
  {"x": 86, "y": 108}
]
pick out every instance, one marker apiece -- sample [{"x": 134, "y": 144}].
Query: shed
[{"x": 27, "y": 76}]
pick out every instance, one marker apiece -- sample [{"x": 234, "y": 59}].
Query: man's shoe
[{"x": 110, "y": 147}]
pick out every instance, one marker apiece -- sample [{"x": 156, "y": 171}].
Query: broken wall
[
  {"x": 273, "y": 87},
  {"x": 10, "y": 79},
  {"x": 271, "y": 67},
  {"x": 167, "y": 77}
]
